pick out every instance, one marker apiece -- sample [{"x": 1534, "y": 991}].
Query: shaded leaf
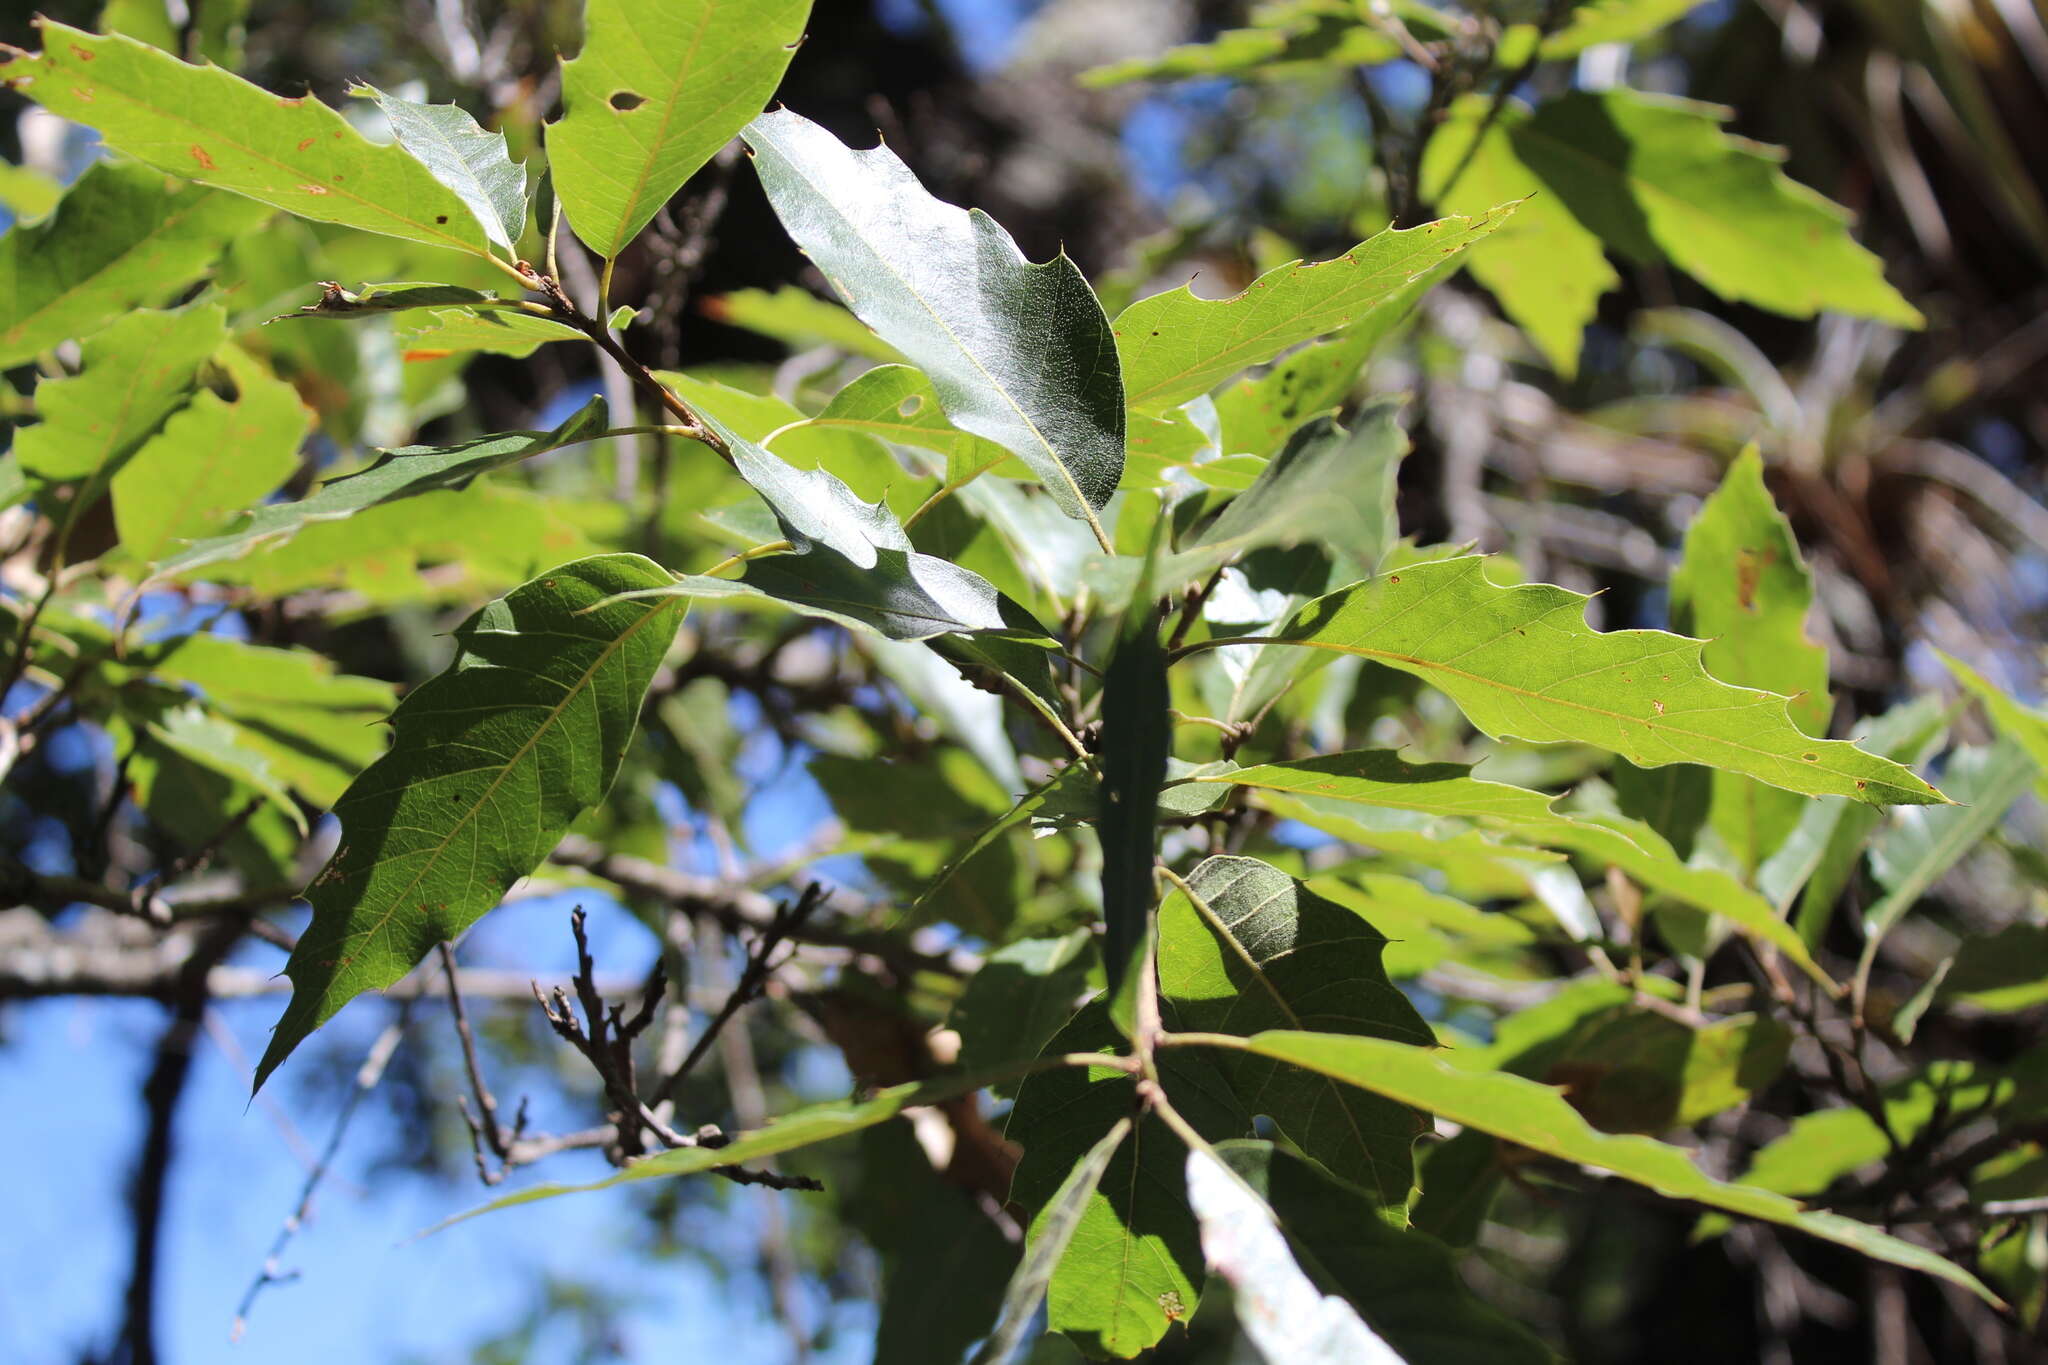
[
  {"x": 1537, "y": 1117},
  {"x": 134, "y": 375},
  {"x": 1547, "y": 269},
  {"x": 210, "y": 742},
  {"x": 210, "y": 459},
  {"x": 1244, "y": 947},
  {"x": 658, "y": 88},
  {"x": 1521, "y": 661},
  {"x": 397, "y": 474},
  {"x": 799, "y": 320},
  {"x": 1019, "y": 354},
  {"x": 1742, "y": 586},
  {"x": 337, "y": 302},
  {"x": 1175, "y": 346},
  {"x": 502, "y": 331},
  {"x": 1311, "y": 36},
  {"x": 489, "y": 763},
  {"x": 1920, "y": 845},
  {"x": 1024, "y": 993},
  {"x": 1613, "y": 21},
  {"x": 1137, "y": 737},
  {"x": 897, "y": 403},
  {"x": 317, "y": 728},
  {"x": 203, "y": 124},
  {"x": 122, "y": 236},
  {"x": 475, "y": 164}
]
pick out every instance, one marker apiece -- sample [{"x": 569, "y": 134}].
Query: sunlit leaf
[
  {"x": 203, "y": 124},
  {"x": 210, "y": 459},
  {"x": 403, "y": 473},
  {"x": 1521, "y": 661},
  {"x": 658, "y": 88},
  {"x": 1020, "y": 354},
  {"x": 1175, "y": 346},
  {"x": 1537, "y": 1117},
  {"x": 122, "y": 236}
]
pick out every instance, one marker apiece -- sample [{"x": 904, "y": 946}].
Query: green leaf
[
  {"x": 658, "y": 88},
  {"x": 203, "y": 124},
  {"x": 475, "y": 164},
  {"x": 1823, "y": 849},
  {"x": 1020, "y": 354},
  {"x": 902, "y": 595},
  {"x": 121, "y": 237},
  {"x": 397, "y": 474},
  {"x": 1613, "y": 21},
  {"x": 2003, "y": 972},
  {"x": 135, "y": 374},
  {"x": 1521, "y": 661},
  {"x": 799, "y": 320},
  {"x": 1024, "y": 993},
  {"x": 1741, "y": 586},
  {"x": 799, "y": 1128},
  {"x": 490, "y": 762},
  {"x": 1379, "y": 777},
  {"x": 1658, "y": 179},
  {"x": 1313, "y": 37},
  {"x": 1135, "y": 1264},
  {"x": 1244, "y": 947},
  {"x": 1406, "y": 1285},
  {"x": 1547, "y": 269},
  {"x": 502, "y": 331},
  {"x": 1257, "y": 415},
  {"x": 210, "y": 742},
  {"x": 1052, "y": 1231},
  {"x": 27, "y": 193},
  {"x": 945, "y": 1259},
  {"x": 1284, "y": 1315},
  {"x": 897, "y": 403},
  {"x": 317, "y": 728},
  {"x": 1175, "y": 346},
  {"x": 2025, "y": 726},
  {"x": 1920, "y": 845},
  {"x": 210, "y": 459},
  {"x": 1137, "y": 737},
  {"x": 1537, "y": 1117}
]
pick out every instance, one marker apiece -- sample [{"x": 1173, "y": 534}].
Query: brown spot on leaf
[
  {"x": 310, "y": 188},
  {"x": 84, "y": 54},
  {"x": 84, "y": 93},
  {"x": 291, "y": 101},
  {"x": 305, "y": 144},
  {"x": 1811, "y": 758},
  {"x": 625, "y": 101},
  {"x": 199, "y": 155},
  {"x": 440, "y": 217},
  {"x": 1658, "y": 704}
]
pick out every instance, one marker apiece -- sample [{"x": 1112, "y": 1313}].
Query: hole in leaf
[
  {"x": 909, "y": 406},
  {"x": 625, "y": 101}
]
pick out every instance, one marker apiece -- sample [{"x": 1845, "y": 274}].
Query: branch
[
  {"x": 742, "y": 910},
  {"x": 367, "y": 1077}
]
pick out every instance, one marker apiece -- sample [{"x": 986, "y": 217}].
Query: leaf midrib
[{"x": 574, "y": 691}]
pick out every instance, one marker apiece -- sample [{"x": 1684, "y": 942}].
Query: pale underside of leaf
[{"x": 1020, "y": 354}]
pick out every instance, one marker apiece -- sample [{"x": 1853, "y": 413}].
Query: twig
[
  {"x": 485, "y": 1132},
  {"x": 367, "y": 1077},
  {"x": 788, "y": 919},
  {"x": 605, "y": 1037}
]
